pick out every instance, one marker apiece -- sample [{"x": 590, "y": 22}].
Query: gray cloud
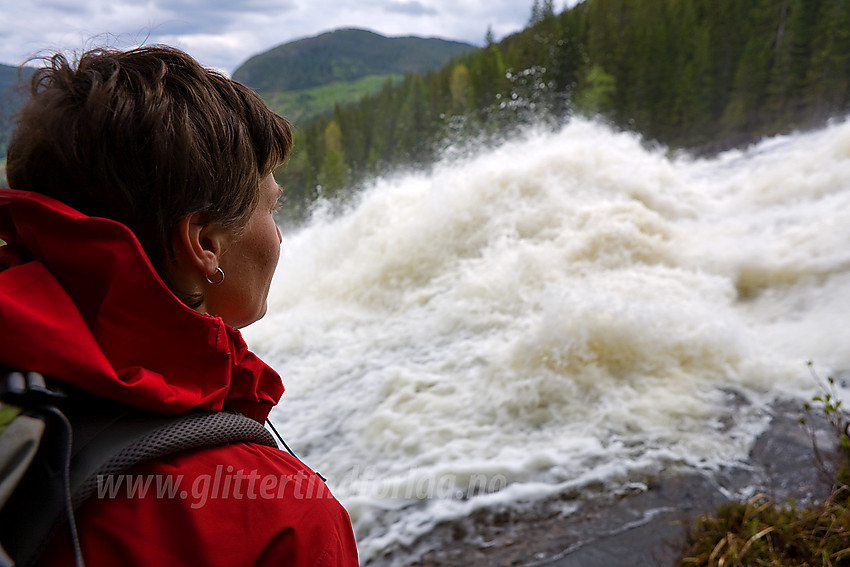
[{"x": 412, "y": 8}]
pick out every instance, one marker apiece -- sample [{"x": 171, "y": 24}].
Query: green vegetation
[
  {"x": 304, "y": 106},
  {"x": 701, "y": 75},
  {"x": 759, "y": 532},
  {"x": 830, "y": 406}
]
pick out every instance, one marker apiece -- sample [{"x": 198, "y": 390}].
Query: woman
[{"x": 140, "y": 235}]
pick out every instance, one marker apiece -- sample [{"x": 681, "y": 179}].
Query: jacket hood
[{"x": 81, "y": 302}]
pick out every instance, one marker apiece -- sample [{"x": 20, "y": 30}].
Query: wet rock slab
[{"x": 647, "y": 527}]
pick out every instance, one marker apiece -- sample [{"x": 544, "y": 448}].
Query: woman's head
[{"x": 147, "y": 137}]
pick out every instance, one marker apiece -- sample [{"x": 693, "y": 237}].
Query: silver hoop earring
[{"x": 220, "y": 272}]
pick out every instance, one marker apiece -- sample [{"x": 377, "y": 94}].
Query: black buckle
[{"x": 28, "y": 388}]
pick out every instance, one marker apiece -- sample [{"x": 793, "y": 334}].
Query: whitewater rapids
[{"x": 568, "y": 312}]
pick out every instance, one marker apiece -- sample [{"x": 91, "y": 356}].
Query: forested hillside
[
  {"x": 702, "y": 74},
  {"x": 305, "y": 78}
]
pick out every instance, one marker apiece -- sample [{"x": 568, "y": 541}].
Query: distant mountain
[
  {"x": 12, "y": 81},
  {"x": 343, "y": 55},
  {"x": 9, "y": 76}
]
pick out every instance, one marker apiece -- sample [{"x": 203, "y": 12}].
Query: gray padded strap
[{"x": 183, "y": 433}]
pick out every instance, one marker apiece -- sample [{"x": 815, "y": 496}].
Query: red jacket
[{"x": 80, "y": 302}]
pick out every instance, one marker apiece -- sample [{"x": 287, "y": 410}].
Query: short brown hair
[{"x": 145, "y": 137}]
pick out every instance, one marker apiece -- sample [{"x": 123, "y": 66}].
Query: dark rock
[{"x": 647, "y": 527}]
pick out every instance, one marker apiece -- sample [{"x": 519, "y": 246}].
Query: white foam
[{"x": 568, "y": 310}]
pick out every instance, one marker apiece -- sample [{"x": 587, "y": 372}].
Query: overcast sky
[{"x": 224, "y": 33}]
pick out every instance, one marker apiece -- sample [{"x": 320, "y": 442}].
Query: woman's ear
[{"x": 197, "y": 247}]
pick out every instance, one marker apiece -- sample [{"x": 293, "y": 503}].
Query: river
[{"x": 571, "y": 312}]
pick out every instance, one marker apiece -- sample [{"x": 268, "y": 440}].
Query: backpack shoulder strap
[
  {"x": 40, "y": 470},
  {"x": 143, "y": 437},
  {"x": 108, "y": 439}
]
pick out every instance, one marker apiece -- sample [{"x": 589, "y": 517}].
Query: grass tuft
[{"x": 760, "y": 532}]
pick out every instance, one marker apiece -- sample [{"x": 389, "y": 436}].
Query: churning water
[{"x": 568, "y": 312}]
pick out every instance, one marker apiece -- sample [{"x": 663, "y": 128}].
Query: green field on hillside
[{"x": 303, "y": 106}]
